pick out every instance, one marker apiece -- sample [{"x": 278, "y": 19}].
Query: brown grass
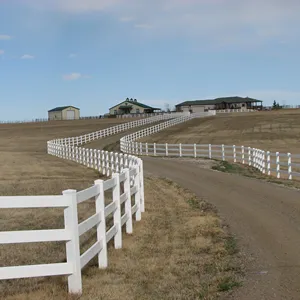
[
  {"x": 273, "y": 131},
  {"x": 270, "y": 131},
  {"x": 178, "y": 251}
]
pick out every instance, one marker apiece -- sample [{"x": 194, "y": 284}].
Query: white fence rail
[
  {"x": 220, "y": 111},
  {"x": 281, "y": 165},
  {"x": 126, "y": 171},
  {"x": 86, "y": 138},
  {"x": 127, "y": 145},
  {"x": 175, "y": 114},
  {"x": 72, "y": 231}
]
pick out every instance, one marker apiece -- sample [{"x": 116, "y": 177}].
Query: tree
[
  {"x": 127, "y": 99},
  {"x": 167, "y": 107},
  {"x": 274, "y": 104}
]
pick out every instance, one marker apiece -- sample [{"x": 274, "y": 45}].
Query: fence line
[
  {"x": 241, "y": 110},
  {"x": 126, "y": 171},
  {"x": 152, "y": 114},
  {"x": 269, "y": 163}
]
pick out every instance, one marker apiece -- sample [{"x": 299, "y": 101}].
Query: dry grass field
[
  {"x": 270, "y": 131},
  {"x": 180, "y": 249},
  {"x": 274, "y": 131}
]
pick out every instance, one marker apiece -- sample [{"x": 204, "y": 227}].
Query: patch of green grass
[
  {"x": 228, "y": 283},
  {"x": 231, "y": 245},
  {"x": 249, "y": 171}
]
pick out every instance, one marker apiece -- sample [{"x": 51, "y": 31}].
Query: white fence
[
  {"x": 72, "y": 230},
  {"x": 174, "y": 114},
  {"x": 127, "y": 173},
  {"x": 127, "y": 145},
  {"x": 278, "y": 164},
  {"x": 220, "y": 111},
  {"x": 86, "y": 138}
]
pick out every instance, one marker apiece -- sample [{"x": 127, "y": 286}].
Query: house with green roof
[
  {"x": 64, "y": 113},
  {"x": 132, "y": 106},
  {"x": 219, "y": 104}
]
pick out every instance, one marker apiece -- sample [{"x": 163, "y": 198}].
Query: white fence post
[
  {"x": 117, "y": 213},
  {"x": 101, "y": 227},
  {"x": 195, "y": 150},
  {"x": 269, "y": 163},
  {"x": 142, "y": 191},
  {"x": 223, "y": 152},
  {"x": 249, "y": 156},
  {"x": 234, "y": 153},
  {"x": 209, "y": 151},
  {"x": 277, "y": 164},
  {"x": 180, "y": 150},
  {"x": 73, "y": 246},
  {"x": 137, "y": 196},
  {"x": 167, "y": 152},
  {"x": 154, "y": 149},
  {"x": 290, "y": 166},
  {"x": 243, "y": 155},
  {"x": 264, "y": 162},
  {"x": 147, "y": 153},
  {"x": 128, "y": 201}
]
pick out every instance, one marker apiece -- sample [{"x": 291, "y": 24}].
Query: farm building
[
  {"x": 64, "y": 113},
  {"x": 219, "y": 103},
  {"x": 132, "y": 107}
]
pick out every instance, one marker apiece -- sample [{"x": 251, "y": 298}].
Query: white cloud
[
  {"x": 27, "y": 56},
  {"x": 217, "y": 22},
  {"x": 126, "y": 19},
  {"x": 143, "y": 26},
  {"x": 74, "y": 76},
  {"x": 72, "y": 55},
  {"x": 1, "y": 52},
  {"x": 5, "y": 37}
]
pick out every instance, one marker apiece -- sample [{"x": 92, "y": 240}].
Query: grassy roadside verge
[{"x": 248, "y": 171}]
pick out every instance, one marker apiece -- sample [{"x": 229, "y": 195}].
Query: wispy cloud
[
  {"x": 27, "y": 56},
  {"x": 216, "y": 22},
  {"x": 1, "y": 52},
  {"x": 74, "y": 76},
  {"x": 126, "y": 19},
  {"x": 143, "y": 26},
  {"x": 72, "y": 55},
  {"x": 4, "y": 37}
]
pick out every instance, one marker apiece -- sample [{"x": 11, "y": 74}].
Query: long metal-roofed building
[{"x": 219, "y": 104}]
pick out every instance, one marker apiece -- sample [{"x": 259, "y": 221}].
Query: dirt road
[{"x": 263, "y": 216}]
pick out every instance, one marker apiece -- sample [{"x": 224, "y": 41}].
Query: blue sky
[{"x": 95, "y": 53}]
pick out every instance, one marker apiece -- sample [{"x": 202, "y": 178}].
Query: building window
[
  {"x": 137, "y": 110},
  {"x": 115, "y": 111}
]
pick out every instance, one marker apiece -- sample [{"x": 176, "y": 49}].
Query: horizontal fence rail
[
  {"x": 127, "y": 185},
  {"x": 280, "y": 165}
]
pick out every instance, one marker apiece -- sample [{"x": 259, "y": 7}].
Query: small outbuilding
[{"x": 64, "y": 113}]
